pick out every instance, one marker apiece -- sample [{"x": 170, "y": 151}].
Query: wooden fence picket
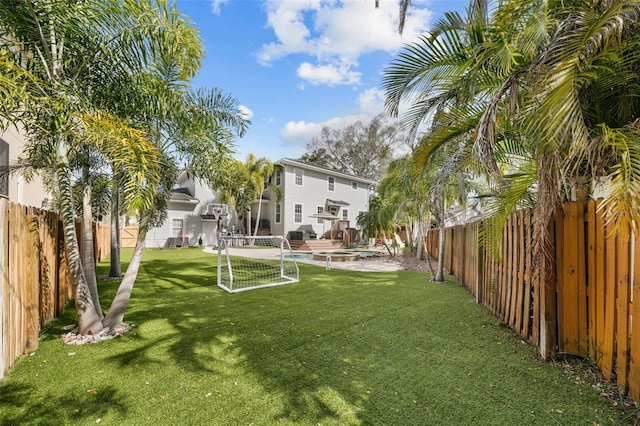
[
  {"x": 585, "y": 301},
  {"x": 35, "y": 284},
  {"x": 634, "y": 337},
  {"x": 622, "y": 307},
  {"x": 609, "y": 327}
]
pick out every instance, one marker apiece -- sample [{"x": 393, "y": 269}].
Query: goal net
[{"x": 247, "y": 263}]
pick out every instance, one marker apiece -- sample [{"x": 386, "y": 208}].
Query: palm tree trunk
[
  {"x": 440, "y": 270},
  {"x": 115, "y": 269},
  {"x": 115, "y": 316},
  {"x": 255, "y": 231},
  {"x": 420, "y": 235},
  {"x": 88, "y": 321},
  {"x": 384, "y": 242},
  {"x": 88, "y": 255}
]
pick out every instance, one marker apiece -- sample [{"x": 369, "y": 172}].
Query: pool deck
[{"x": 374, "y": 264}]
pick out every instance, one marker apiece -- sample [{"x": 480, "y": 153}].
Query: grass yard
[{"x": 338, "y": 348}]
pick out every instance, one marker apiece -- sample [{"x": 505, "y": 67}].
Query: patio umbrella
[{"x": 325, "y": 216}]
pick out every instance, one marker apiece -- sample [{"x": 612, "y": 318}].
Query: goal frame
[{"x": 286, "y": 269}]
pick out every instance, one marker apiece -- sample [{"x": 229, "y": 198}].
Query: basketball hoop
[{"x": 217, "y": 213}]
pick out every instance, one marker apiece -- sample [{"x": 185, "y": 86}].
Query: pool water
[{"x": 297, "y": 256}]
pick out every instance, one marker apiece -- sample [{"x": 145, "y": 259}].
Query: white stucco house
[
  {"x": 15, "y": 187},
  {"x": 306, "y": 190}
]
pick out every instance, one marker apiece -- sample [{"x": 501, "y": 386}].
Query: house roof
[
  {"x": 336, "y": 202},
  {"x": 182, "y": 195},
  {"x": 309, "y": 166}
]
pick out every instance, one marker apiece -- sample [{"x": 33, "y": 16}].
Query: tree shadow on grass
[
  {"x": 340, "y": 347},
  {"x": 272, "y": 334},
  {"x": 84, "y": 406}
]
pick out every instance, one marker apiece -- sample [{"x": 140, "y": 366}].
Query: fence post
[{"x": 3, "y": 274}]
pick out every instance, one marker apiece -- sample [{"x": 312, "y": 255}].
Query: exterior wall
[
  {"x": 20, "y": 191},
  {"x": 314, "y": 192},
  {"x": 195, "y": 228}
]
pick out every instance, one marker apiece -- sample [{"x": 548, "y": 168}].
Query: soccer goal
[{"x": 248, "y": 263}]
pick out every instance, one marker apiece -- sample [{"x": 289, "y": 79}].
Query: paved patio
[{"x": 382, "y": 262}]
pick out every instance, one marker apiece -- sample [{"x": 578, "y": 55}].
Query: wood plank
[
  {"x": 634, "y": 345},
  {"x": 33, "y": 281},
  {"x": 537, "y": 293},
  {"x": 502, "y": 278},
  {"x": 608, "y": 346},
  {"x": 528, "y": 274},
  {"x": 582, "y": 282},
  {"x": 590, "y": 220},
  {"x": 520, "y": 277},
  {"x": 561, "y": 268},
  {"x": 622, "y": 308},
  {"x": 548, "y": 307},
  {"x": 506, "y": 263},
  {"x": 513, "y": 270},
  {"x": 600, "y": 284},
  {"x": 4, "y": 284}
]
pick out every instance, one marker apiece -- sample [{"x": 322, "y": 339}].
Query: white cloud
[
  {"x": 371, "y": 101},
  {"x": 335, "y": 34},
  {"x": 245, "y": 112},
  {"x": 330, "y": 75},
  {"x": 216, "y": 5},
  {"x": 299, "y": 133}
]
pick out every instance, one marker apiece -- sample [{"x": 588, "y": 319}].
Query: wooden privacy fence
[
  {"x": 36, "y": 284},
  {"x": 589, "y": 306}
]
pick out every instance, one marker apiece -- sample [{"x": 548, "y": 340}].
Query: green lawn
[{"x": 338, "y": 348}]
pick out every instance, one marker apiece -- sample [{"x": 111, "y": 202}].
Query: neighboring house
[
  {"x": 14, "y": 186},
  {"x": 190, "y": 219},
  {"x": 305, "y": 190}
]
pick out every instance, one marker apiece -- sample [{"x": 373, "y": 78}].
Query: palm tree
[
  {"x": 69, "y": 49},
  {"x": 378, "y": 220},
  {"x": 405, "y": 189},
  {"x": 549, "y": 84},
  {"x": 265, "y": 169}
]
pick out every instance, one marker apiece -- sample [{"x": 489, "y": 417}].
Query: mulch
[{"x": 408, "y": 261}]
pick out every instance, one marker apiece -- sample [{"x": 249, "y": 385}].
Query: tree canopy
[{"x": 360, "y": 149}]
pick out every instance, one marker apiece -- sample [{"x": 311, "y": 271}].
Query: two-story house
[{"x": 313, "y": 200}]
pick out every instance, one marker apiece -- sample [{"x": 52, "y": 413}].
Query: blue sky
[{"x": 296, "y": 66}]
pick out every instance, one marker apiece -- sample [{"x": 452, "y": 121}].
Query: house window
[
  {"x": 297, "y": 213},
  {"x": 298, "y": 175},
  {"x": 331, "y": 183},
  {"x": 176, "y": 227},
  {"x": 278, "y": 216},
  {"x": 4, "y": 168},
  {"x": 354, "y": 186},
  {"x": 278, "y": 177},
  {"x": 320, "y": 209},
  {"x": 345, "y": 214}
]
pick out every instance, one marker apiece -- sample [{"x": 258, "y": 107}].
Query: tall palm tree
[
  {"x": 69, "y": 49},
  {"x": 550, "y": 84}
]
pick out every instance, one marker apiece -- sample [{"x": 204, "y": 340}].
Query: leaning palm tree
[{"x": 64, "y": 46}]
